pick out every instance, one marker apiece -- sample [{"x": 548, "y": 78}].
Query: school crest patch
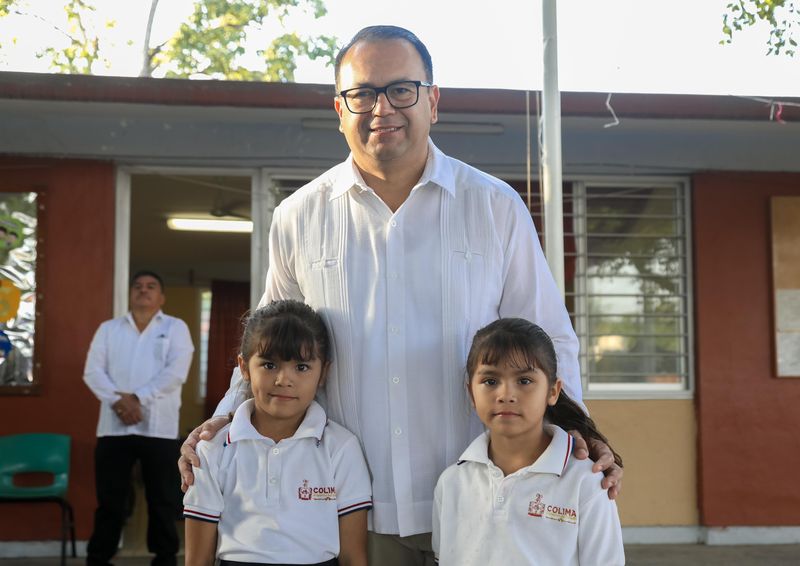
[
  {"x": 562, "y": 514},
  {"x": 309, "y": 493}
]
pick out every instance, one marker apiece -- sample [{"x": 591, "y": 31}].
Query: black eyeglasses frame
[{"x": 383, "y": 89}]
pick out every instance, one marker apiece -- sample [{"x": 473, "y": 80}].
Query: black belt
[{"x": 331, "y": 562}]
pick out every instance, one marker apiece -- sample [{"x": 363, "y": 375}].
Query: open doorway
[
  {"x": 196, "y": 266},
  {"x": 208, "y": 276},
  {"x": 206, "y": 281}
]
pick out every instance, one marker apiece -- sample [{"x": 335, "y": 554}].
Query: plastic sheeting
[{"x": 18, "y": 239}]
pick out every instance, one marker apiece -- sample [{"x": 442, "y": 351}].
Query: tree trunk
[{"x": 147, "y": 61}]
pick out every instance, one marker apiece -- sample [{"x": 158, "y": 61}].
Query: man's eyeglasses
[{"x": 401, "y": 94}]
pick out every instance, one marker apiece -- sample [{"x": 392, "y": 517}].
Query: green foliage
[
  {"x": 84, "y": 47},
  {"x": 782, "y": 16},
  {"x": 214, "y": 38},
  {"x": 212, "y": 43},
  {"x": 5, "y": 7}
]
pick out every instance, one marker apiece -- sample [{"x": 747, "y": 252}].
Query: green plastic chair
[{"x": 39, "y": 452}]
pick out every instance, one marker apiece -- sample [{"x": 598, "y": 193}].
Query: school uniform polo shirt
[
  {"x": 551, "y": 512},
  {"x": 279, "y": 502}
]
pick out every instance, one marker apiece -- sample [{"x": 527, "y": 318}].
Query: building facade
[{"x": 669, "y": 254}]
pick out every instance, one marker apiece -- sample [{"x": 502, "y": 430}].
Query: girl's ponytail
[{"x": 568, "y": 415}]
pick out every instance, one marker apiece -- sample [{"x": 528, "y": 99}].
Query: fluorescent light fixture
[{"x": 210, "y": 225}]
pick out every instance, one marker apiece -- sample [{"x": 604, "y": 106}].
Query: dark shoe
[{"x": 164, "y": 560}]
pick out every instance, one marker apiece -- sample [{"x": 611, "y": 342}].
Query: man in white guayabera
[{"x": 406, "y": 253}]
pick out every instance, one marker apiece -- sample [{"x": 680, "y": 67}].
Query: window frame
[{"x": 627, "y": 390}]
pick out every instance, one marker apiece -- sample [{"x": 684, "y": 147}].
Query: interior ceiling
[{"x": 189, "y": 258}]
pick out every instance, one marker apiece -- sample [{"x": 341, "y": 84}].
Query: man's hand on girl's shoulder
[
  {"x": 604, "y": 462},
  {"x": 205, "y": 431}
]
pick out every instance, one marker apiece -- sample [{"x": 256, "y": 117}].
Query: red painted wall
[
  {"x": 749, "y": 452},
  {"x": 77, "y": 283}
]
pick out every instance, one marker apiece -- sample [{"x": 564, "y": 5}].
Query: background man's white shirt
[{"x": 152, "y": 364}]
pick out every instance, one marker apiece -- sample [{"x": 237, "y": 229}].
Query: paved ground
[
  {"x": 699, "y": 554},
  {"x": 637, "y": 555}
]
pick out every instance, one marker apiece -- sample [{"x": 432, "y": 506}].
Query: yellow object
[{"x": 9, "y": 300}]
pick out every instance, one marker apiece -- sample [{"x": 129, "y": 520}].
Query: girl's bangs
[
  {"x": 287, "y": 338},
  {"x": 508, "y": 348}
]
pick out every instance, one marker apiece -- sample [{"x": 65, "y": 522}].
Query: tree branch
[
  {"x": 48, "y": 22},
  {"x": 147, "y": 56}
]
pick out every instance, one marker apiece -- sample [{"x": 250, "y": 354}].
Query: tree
[
  {"x": 211, "y": 43},
  {"x": 215, "y": 36},
  {"x": 783, "y": 17},
  {"x": 83, "y": 49}
]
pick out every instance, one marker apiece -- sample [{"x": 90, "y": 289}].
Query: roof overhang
[{"x": 144, "y": 121}]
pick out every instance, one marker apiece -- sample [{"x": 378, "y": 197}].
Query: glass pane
[
  {"x": 595, "y": 194},
  {"x": 615, "y": 368},
  {"x": 644, "y": 226},
  {"x": 648, "y": 306},
  {"x": 633, "y": 285},
  {"x": 606, "y": 325},
  {"x": 205, "y": 324},
  {"x": 639, "y": 247},
  {"x": 630, "y": 287}
]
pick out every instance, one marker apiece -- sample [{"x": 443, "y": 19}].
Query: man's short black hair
[
  {"x": 147, "y": 273},
  {"x": 385, "y": 33}
]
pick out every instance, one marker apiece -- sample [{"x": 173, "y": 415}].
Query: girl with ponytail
[{"x": 517, "y": 495}]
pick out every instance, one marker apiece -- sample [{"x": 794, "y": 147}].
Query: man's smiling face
[{"x": 387, "y": 137}]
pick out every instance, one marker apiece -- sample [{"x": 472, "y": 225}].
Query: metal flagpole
[{"x": 552, "y": 209}]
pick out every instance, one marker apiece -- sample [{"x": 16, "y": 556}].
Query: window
[
  {"x": 629, "y": 298},
  {"x": 205, "y": 319}
]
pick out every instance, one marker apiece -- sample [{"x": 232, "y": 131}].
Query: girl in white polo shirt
[
  {"x": 280, "y": 484},
  {"x": 517, "y": 495}
]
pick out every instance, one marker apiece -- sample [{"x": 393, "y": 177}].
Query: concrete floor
[
  {"x": 700, "y": 554},
  {"x": 637, "y": 555}
]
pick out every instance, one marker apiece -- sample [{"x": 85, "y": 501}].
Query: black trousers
[{"x": 114, "y": 458}]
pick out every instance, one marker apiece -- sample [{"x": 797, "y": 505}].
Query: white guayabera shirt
[
  {"x": 153, "y": 364},
  {"x": 403, "y": 294}
]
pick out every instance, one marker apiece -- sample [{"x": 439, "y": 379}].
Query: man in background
[{"x": 136, "y": 367}]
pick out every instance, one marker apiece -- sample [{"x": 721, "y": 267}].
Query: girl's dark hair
[
  {"x": 523, "y": 344},
  {"x": 285, "y": 330}
]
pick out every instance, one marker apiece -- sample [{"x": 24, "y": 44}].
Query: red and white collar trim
[
  {"x": 553, "y": 460},
  {"x": 312, "y": 426}
]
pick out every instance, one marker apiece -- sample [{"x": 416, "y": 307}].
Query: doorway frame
[{"x": 262, "y": 204}]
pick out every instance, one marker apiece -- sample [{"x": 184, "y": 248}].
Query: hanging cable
[
  {"x": 539, "y": 155},
  {"x": 776, "y": 107},
  {"x": 528, "y": 147},
  {"x": 613, "y": 114}
]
